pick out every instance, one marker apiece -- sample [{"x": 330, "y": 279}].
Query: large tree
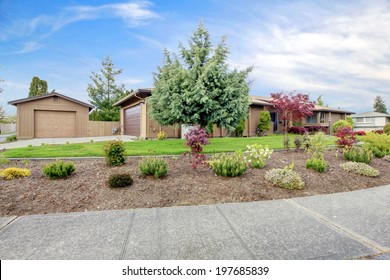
[
  {"x": 196, "y": 87},
  {"x": 104, "y": 92},
  {"x": 380, "y": 105},
  {"x": 37, "y": 87}
]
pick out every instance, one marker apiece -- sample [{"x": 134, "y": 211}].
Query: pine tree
[
  {"x": 104, "y": 92},
  {"x": 380, "y": 105},
  {"x": 198, "y": 88},
  {"x": 319, "y": 101},
  {"x": 37, "y": 87}
]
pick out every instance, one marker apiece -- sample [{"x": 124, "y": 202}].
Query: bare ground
[{"x": 87, "y": 189}]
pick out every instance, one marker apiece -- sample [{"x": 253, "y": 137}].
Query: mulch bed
[{"x": 87, "y": 189}]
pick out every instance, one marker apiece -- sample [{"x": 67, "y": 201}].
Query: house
[
  {"x": 370, "y": 121},
  {"x": 135, "y": 118},
  {"x": 51, "y": 115}
]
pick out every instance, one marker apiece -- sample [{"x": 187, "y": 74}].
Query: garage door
[
  {"x": 132, "y": 120},
  {"x": 54, "y": 124}
]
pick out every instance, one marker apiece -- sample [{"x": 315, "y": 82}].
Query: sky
[{"x": 337, "y": 49}]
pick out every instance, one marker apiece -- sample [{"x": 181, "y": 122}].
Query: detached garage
[{"x": 51, "y": 115}]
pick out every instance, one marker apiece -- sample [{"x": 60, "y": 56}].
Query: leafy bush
[
  {"x": 153, "y": 166},
  {"x": 228, "y": 165},
  {"x": 340, "y": 124},
  {"x": 316, "y": 144},
  {"x": 114, "y": 152},
  {"x": 120, "y": 180},
  {"x": 317, "y": 163},
  {"x": 349, "y": 120},
  {"x": 358, "y": 154},
  {"x": 11, "y": 173},
  {"x": 161, "y": 135},
  {"x": 264, "y": 122},
  {"x": 195, "y": 138},
  {"x": 379, "y": 144},
  {"x": 239, "y": 130},
  {"x": 285, "y": 178},
  {"x": 314, "y": 129},
  {"x": 3, "y": 160},
  {"x": 360, "y": 133},
  {"x": 360, "y": 168},
  {"x": 256, "y": 155},
  {"x": 346, "y": 137},
  {"x": 378, "y": 131},
  {"x": 298, "y": 141},
  {"x": 297, "y": 130},
  {"x": 386, "y": 129},
  {"x": 58, "y": 169},
  {"x": 11, "y": 138}
]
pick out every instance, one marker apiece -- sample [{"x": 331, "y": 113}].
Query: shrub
[
  {"x": 3, "y": 160},
  {"x": 11, "y": 173},
  {"x": 358, "y": 154},
  {"x": 114, "y": 152},
  {"x": 349, "y": 120},
  {"x": 228, "y": 165},
  {"x": 340, "y": 124},
  {"x": 285, "y": 178},
  {"x": 195, "y": 138},
  {"x": 256, "y": 155},
  {"x": 386, "y": 129},
  {"x": 58, "y": 169},
  {"x": 298, "y": 141},
  {"x": 239, "y": 130},
  {"x": 317, "y": 163},
  {"x": 264, "y": 122},
  {"x": 360, "y": 133},
  {"x": 153, "y": 166},
  {"x": 360, "y": 168},
  {"x": 378, "y": 131},
  {"x": 120, "y": 180},
  {"x": 316, "y": 144},
  {"x": 210, "y": 129},
  {"x": 297, "y": 130},
  {"x": 11, "y": 138},
  {"x": 346, "y": 137},
  {"x": 314, "y": 129},
  {"x": 286, "y": 142},
  {"x": 379, "y": 144},
  {"x": 161, "y": 135}
]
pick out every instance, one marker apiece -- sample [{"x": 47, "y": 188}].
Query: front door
[{"x": 274, "y": 119}]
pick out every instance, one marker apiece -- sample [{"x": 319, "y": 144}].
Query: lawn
[{"x": 146, "y": 147}]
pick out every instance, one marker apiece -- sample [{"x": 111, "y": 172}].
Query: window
[
  {"x": 359, "y": 119},
  {"x": 311, "y": 119},
  {"x": 368, "y": 120},
  {"x": 322, "y": 117}
]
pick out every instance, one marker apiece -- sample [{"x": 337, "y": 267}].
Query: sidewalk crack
[{"x": 127, "y": 236}]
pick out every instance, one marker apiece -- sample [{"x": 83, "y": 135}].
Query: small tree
[
  {"x": 37, "y": 87},
  {"x": 264, "y": 122},
  {"x": 319, "y": 101},
  {"x": 290, "y": 107},
  {"x": 380, "y": 105}
]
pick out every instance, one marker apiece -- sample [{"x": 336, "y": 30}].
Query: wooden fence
[
  {"x": 96, "y": 128},
  {"x": 7, "y": 127}
]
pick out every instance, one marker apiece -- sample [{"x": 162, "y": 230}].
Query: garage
[
  {"x": 54, "y": 124},
  {"x": 132, "y": 121}
]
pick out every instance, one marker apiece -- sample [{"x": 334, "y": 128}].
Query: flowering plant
[{"x": 256, "y": 155}]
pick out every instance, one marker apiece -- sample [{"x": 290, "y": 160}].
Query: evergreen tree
[
  {"x": 198, "y": 88},
  {"x": 319, "y": 101},
  {"x": 37, "y": 87},
  {"x": 104, "y": 92},
  {"x": 380, "y": 105}
]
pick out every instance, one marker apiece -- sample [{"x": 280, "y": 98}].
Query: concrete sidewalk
[
  {"x": 337, "y": 226},
  {"x": 54, "y": 141}
]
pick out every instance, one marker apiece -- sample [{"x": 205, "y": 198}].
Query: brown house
[{"x": 51, "y": 115}]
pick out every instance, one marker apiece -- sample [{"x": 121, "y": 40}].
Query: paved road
[{"x": 338, "y": 226}]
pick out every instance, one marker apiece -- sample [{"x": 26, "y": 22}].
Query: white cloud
[
  {"x": 131, "y": 81},
  {"x": 29, "y": 47}
]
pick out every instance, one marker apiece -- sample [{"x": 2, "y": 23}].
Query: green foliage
[
  {"x": 120, "y": 180},
  {"x": 285, "y": 178},
  {"x": 386, "y": 129},
  {"x": 350, "y": 121},
  {"x": 37, "y": 87},
  {"x": 358, "y": 154},
  {"x": 317, "y": 163},
  {"x": 317, "y": 144},
  {"x": 11, "y": 138},
  {"x": 58, "y": 169},
  {"x": 360, "y": 168},
  {"x": 114, "y": 152},
  {"x": 264, "y": 121},
  {"x": 379, "y": 144},
  {"x": 298, "y": 141},
  {"x": 340, "y": 124},
  {"x": 11, "y": 173},
  {"x": 380, "y": 105},
  {"x": 286, "y": 142},
  {"x": 319, "y": 101},
  {"x": 239, "y": 129},
  {"x": 256, "y": 155},
  {"x": 228, "y": 165},
  {"x": 210, "y": 129},
  {"x": 104, "y": 92},
  {"x": 161, "y": 135},
  {"x": 153, "y": 166},
  {"x": 3, "y": 160},
  {"x": 197, "y": 87}
]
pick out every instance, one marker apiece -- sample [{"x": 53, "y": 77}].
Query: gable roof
[
  {"x": 371, "y": 114},
  {"x": 140, "y": 93},
  {"x": 28, "y": 99}
]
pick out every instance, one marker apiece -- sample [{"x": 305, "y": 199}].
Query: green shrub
[
  {"x": 58, "y": 169},
  {"x": 386, "y": 129},
  {"x": 317, "y": 163},
  {"x": 360, "y": 168},
  {"x": 239, "y": 130},
  {"x": 264, "y": 122},
  {"x": 358, "y": 154},
  {"x": 285, "y": 178},
  {"x": 114, "y": 152},
  {"x": 11, "y": 138},
  {"x": 161, "y": 135},
  {"x": 316, "y": 144},
  {"x": 120, "y": 180},
  {"x": 379, "y": 144},
  {"x": 153, "y": 166},
  {"x": 14, "y": 172},
  {"x": 298, "y": 141},
  {"x": 3, "y": 160},
  {"x": 256, "y": 155},
  {"x": 228, "y": 165},
  {"x": 340, "y": 124}
]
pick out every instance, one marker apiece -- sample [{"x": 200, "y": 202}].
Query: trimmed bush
[
  {"x": 264, "y": 122},
  {"x": 239, "y": 129},
  {"x": 360, "y": 168},
  {"x": 11, "y": 173},
  {"x": 379, "y": 144},
  {"x": 161, "y": 135},
  {"x": 114, "y": 152},
  {"x": 11, "y": 138},
  {"x": 378, "y": 131},
  {"x": 317, "y": 163},
  {"x": 386, "y": 129},
  {"x": 153, "y": 166},
  {"x": 360, "y": 133},
  {"x": 256, "y": 155},
  {"x": 358, "y": 154},
  {"x": 285, "y": 178},
  {"x": 340, "y": 124},
  {"x": 58, "y": 169},
  {"x": 120, "y": 180},
  {"x": 297, "y": 130},
  {"x": 314, "y": 129},
  {"x": 228, "y": 165}
]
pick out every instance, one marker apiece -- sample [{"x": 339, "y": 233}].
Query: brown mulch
[{"x": 87, "y": 189}]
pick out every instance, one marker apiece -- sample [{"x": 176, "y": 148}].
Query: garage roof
[{"x": 28, "y": 99}]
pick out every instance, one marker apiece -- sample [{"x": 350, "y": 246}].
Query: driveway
[{"x": 3, "y": 137}]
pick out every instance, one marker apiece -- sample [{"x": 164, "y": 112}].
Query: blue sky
[{"x": 337, "y": 49}]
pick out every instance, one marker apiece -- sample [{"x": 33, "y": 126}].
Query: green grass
[{"x": 147, "y": 147}]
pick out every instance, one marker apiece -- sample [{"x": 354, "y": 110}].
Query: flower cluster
[{"x": 256, "y": 155}]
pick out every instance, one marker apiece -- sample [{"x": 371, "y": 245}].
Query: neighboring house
[
  {"x": 135, "y": 119},
  {"x": 370, "y": 121},
  {"x": 51, "y": 115}
]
